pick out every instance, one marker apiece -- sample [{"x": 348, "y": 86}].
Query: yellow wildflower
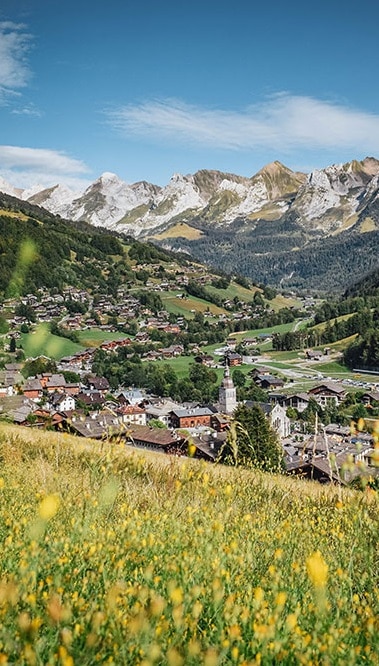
[
  {"x": 317, "y": 569},
  {"x": 49, "y": 507}
]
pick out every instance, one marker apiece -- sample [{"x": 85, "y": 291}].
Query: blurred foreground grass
[{"x": 111, "y": 555}]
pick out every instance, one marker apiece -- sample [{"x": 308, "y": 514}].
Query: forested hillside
[
  {"x": 279, "y": 253},
  {"x": 38, "y": 249}
]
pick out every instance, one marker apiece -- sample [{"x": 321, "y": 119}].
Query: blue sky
[{"x": 149, "y": 89}]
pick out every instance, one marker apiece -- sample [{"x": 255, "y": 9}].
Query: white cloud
[
  {"x": 28, "y": 167},
  {"x": 40, "y": 159},
  {"x": 282, "y": 123},
  {"x": 15, "y": 44}
]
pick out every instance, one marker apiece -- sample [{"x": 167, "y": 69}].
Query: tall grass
[{"x": 113, "y": 556}]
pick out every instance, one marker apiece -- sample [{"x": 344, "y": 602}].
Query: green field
[
  {"x": 93, "y": 337},
  {"x": 292, "y": 355},
  {"x": 43, "y": 343},
  {"x": 232, "y": 291},
  {"x": 184, "y": 306},
  {"x": 180, "y": 364},
  {"x": 280, "y": 302},
  {"x": 333, "y": 368},
  {"x": 280, "y": 328},
  {"x": 112, "y": 555}
]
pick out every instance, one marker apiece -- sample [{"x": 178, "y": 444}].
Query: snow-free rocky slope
[{"x": 325, "y": 201}]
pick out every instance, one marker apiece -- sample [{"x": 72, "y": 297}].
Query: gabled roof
[
  {"x": 152, "y": 436},
  {"x": 196, "y": 411},
  {"x": 270, "y": 379},
  {"x": 329, "y": 387},
  {"x": 99, "y": 383}
]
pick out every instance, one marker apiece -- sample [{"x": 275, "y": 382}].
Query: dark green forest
[{"x": 280, "y": 253}]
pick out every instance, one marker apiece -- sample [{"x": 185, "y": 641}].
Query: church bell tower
[{"x": 227, "y": 393}]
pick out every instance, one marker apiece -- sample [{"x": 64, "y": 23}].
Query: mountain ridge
[
  {"x": 325, "y": 200},
  {"x": 280, "y": 227}
]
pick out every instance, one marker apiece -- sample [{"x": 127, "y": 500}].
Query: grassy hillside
[
  {"x": 43, "y": 342},
  {"x": 189, "y": 306},
  {"x": 116, "y": 556}
]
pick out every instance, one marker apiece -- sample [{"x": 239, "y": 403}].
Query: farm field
[
  {"x": 234, "y": 290},
  {"x": 180, "y": 230},
  {"x": 280, "y": 328},
  {"x": 114, "y": 555},
  {"x": 179, "y": 364}
]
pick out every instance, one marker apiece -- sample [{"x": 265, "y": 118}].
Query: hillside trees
[{"x": 364, "y": 351}]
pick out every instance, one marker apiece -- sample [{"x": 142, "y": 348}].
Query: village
[
  {"x": 71, "y": 396},
  {"x": 89, "y": 408}
]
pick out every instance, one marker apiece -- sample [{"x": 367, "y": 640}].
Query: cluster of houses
[{"x": 87, "y": 409}]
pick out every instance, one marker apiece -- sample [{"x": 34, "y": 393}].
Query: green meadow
[{"x": 115, "y": 556}]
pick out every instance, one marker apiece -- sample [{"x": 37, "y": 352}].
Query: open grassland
[
  {"x": 333, "y": 368},
  {"x": 11, "y": 213},
  {"x": 180, "y": 230},
  {"x": 256, "y": 332},
  {"x": 293, "y": 355},
  {"x": 233, "y": 290},
  {"x": 187, "y": 307},
  {"x": 93, "y": 337},
  {"x": 43, "y": 342},
  {"x": 281, "y": 301},
  {"x": 180, "y": 364},
  {"x": 110, "y": 555}
]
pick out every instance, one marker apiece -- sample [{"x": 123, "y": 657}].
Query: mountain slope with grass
[{"x": 129, "y": 557}]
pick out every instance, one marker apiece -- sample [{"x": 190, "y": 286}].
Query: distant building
[
  {"x": 191, "y": 418},
  {"x": 327, "y": 394},
  {"x": 132, "y": 414},
  {"x": 268, "y": 381},
  {"x": 276, "y": 415}
]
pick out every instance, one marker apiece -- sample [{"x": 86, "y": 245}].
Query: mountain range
[{"x": 277, "y": 215}]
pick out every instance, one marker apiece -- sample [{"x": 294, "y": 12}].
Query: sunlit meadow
[{"x": 110, "y": 555}]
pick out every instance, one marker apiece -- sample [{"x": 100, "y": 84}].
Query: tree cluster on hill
[
  {"x": 364, "y": 351},
  {"x": 159, "y": 379},
  {"x": 147, "y": 253},
  {"x": 360, "y": 322},
  {"x": 368, "y": 285}
]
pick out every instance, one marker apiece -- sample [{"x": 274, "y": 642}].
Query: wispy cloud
[
  {"x": 282, "y": 122},
  {"x": 25, "y": 167},
  {"x": 28, "y": 110},
  {"x": 15, "y": 44}
]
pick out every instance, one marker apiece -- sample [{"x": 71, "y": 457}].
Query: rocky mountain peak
[{"x": 325, "y": 200}]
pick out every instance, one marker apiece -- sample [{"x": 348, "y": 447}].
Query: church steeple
[{"x": 227, "y": 393}]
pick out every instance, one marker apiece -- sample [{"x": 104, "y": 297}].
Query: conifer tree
[{"x": 252, "y": 442}]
